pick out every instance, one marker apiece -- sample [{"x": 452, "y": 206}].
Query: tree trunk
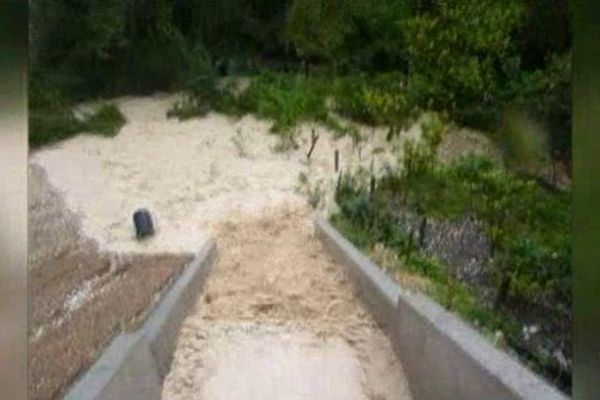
[
  {"x": 372, "y": 185},
  {"x": 422, "y": 228},
  {"x": 502, "y": 291},
  {"x": 409, "y": 247},
  {"x": 553, "y": 172}
]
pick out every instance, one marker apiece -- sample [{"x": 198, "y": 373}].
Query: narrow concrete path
[{"x": 279, "y": 319}]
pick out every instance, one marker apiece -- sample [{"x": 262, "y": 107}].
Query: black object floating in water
[{"x": 143, "y": 223}]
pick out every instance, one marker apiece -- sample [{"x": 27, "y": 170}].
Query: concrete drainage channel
[
  {"x": 442, "y": 357},
  {"x": 135, "y": 364}
]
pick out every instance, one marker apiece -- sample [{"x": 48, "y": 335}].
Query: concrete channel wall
[
  {"x": 134, "y": 365},
  {"x": 442, "y": 356}
]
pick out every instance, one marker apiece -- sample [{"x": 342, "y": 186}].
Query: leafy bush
[
  {"x": 385, "y": 100},
  {"x": 200, "y": 86},
  {"x": 106, "y": 121},
  {"x": 528, "y": 229},
  {"x": 47, "y": 127},
  {"x": 435, "y": 127},
  {"x": 381, "y": 99},
  {"x": 352, "y": 231},
  {"x": 419, "y": 156},
  {"x": 348, "y": 96},
  {"x": 51, "y": 118},
  {"x": 447, "y": 290},
  {"x": 352, "y": 197},
  {"x": 285, "y": 99},
  {"x": 200, "y": 78},
  {"x": 429, "y": 268},
  {"x": 454, "y": 51}
]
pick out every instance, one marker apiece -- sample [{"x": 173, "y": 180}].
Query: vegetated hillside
[
  {"x": 487, "y": 243},
  {"x": 501, "y": 67}
]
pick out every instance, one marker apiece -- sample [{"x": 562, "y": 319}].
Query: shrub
[
  {"x": 200, "y": 86},
  {"x": 428, "y": 268},
  {"x": 454, "y": 51},
  {"x": 376, "y": 100},
  {"x": 200, "y": 78},
  {"x": 106, "y": 121},
  {"x": 352, "y": 198},
  {"x": 285, "y": 99},
  {"x": 385, "y": 99},
  {"x": 50, "y": 117},
  {"x": 348, "y": 97}
]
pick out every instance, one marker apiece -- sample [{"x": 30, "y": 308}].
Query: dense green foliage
[
  {"x": 283, "y": 98},
  {"x": 455, "y": 50},
  {"x": 528, "y": 228},
  {"x": 392, "y": 57},
  {"x": 49, "y": 125},
  {"x": 105, "y": 121},
  {"x": 51, "y": 119},
  {"x": 287, "y": 100},
  {"x": 446, "y": 289}
]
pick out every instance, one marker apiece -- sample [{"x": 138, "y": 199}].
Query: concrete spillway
[{"x": 246, "y": 331}]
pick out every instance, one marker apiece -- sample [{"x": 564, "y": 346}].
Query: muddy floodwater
[{"x": 279, "y": 319}]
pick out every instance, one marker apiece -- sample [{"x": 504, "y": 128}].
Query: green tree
[
  {"x": 318, "y": 27},
  {"x": 151, "y": 38},
  {"x": 455, "y": 50},
  {"x": 73, "y": 43},
  {"x": 375, "y": 40}
]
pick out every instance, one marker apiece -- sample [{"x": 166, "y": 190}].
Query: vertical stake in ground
[
  {"x": 336, "y": 158},
  {"x": 313, "y": 141},
  {"x": 372, "y": 182},
  {"x": 372, "y": 185}
]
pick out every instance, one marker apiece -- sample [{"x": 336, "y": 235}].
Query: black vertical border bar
[
  {"x": 586, "y": 198},
  {"x": 13, "y": 199}
]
